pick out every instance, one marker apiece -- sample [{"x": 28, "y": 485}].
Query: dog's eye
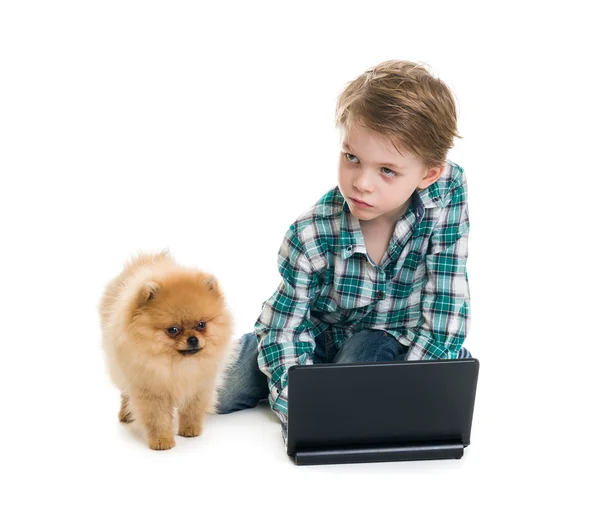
[
  {"x": 201, "y": 326},
  {"x": 173, "y": 330}
]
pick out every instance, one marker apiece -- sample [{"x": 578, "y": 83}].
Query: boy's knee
[
  {"x": 368, "y": 346},
  {"x": 464, "y": 353}
]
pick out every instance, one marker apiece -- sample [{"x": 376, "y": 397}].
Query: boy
[{"x": 376, "y": 269}]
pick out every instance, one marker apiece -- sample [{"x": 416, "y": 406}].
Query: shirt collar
[{"x": 430, "y": 196}]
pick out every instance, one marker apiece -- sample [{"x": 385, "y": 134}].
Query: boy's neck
[{"x": 386, "y": 221}]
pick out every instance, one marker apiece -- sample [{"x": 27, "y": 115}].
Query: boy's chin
[{"x": 363, "y": 215}]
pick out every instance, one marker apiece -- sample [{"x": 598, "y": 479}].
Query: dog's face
[{"x": 183, "y": 314}]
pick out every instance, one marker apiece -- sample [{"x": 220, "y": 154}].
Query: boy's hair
[{"x": 404, "y": 102}]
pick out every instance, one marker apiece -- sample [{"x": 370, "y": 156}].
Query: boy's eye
[
  {"x": 173, "y": 330},
  {"x": 352, "y": 158},
  {"x": 388, "y": 172}
]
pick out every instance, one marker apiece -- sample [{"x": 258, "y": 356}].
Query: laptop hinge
[{"x": 436, "y": 451}]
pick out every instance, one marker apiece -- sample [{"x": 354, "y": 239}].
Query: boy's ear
[{"x": 432, "y": 176}]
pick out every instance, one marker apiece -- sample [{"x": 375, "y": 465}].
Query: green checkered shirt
[{"x": 419, "y": 293}]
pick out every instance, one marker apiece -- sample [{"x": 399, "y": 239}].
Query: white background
[{"x": 129, "y": 126}]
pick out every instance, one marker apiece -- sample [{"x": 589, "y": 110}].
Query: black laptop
[{"x": 368, "y": 412}]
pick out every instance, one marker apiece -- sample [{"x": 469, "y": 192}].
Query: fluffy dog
[{"x": 167, "y": 336}]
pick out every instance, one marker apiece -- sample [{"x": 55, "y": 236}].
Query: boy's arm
[
  {"x": 445, "y": 299},
  {"x": 284, "y": 330}
]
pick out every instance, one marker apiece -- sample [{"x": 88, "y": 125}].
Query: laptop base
[{"x": 441, "y": 451}]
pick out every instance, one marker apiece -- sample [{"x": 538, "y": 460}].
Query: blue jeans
[{"x": 245, "y": 385}]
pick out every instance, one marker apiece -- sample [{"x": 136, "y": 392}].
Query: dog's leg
[
  {"x": 191, "y": 415},
  {"x": 124, "y": 413},
  {"x": 156, "y": 414}
]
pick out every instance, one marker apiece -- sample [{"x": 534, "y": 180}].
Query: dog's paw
[
  {"x": 189, "y": 431},
  {"x": 161, "y": 444},
  {"x": 125, "y": 417}
]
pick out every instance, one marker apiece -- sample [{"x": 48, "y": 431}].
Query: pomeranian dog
[{"x": 167, "y": 336}]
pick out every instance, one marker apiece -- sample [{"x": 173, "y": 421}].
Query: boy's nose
[{"x": 362, "y": 183}]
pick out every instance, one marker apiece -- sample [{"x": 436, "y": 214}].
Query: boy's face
[{"x": 371, "y": 170}]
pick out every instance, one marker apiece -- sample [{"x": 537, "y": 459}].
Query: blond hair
[{"x": 404, "y": 102}]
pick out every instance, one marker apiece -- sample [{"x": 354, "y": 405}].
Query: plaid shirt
[{"x": 419, "y": 293}]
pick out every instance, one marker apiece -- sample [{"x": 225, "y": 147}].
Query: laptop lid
[{"x": 380, "y": 404}]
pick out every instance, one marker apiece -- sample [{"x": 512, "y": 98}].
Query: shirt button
[
  {"x": 349, "y": 249},
  {"x": 380, "y": 295}
]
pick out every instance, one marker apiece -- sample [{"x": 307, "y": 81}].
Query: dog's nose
[{"x": 192, "y": 341}]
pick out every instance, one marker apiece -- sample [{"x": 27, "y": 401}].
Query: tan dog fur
[{"x": 151, "y": 295}]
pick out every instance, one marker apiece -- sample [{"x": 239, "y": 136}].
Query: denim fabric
[{"x": 245, "y": 385}]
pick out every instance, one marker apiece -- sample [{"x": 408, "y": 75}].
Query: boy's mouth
[{"x": 359, "y": 203}]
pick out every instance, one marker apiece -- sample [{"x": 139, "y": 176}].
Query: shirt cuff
[
  {"x": 279, "y": 402},
  {"x": 422, "y": 346}
]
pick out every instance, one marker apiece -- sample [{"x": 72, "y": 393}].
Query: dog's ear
[
  {"x": 210, "y": 281},
  {"x": 147, "y": 293}
]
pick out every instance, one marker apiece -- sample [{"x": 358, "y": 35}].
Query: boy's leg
[
  {"x": 464, "y": 353},
  {"x": 244, "y": 385},
  {"x": 324, "y": 348},
  {"x": 370, "y": 346},
  {"x": 376, "y": 346}
]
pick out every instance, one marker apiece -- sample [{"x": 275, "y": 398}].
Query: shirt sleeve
[
  {"x": 284, "y": 329},
  {"x": 445, "y": 299}
]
